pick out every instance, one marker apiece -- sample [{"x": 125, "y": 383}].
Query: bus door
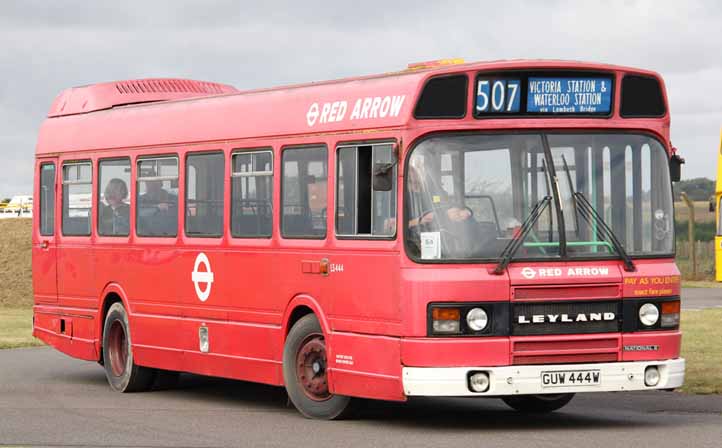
[
  {"x": 44, "y": 249},
  {"x": 363, "y": 278},
  {"x": 76, "y": 268}
]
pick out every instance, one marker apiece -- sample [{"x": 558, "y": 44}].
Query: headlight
[
  {"x": 648, "y": 314},
  {"x": 477, "y": 319}
]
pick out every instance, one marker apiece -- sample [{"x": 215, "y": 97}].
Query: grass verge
[
  {"x": 701, "y": 348},
  {"x": 16, "y": 275},
  {"x": 16, "y": 328}
]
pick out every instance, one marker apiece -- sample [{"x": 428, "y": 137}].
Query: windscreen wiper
[
  {"x": 587, "y": 211},
  {"x": 571, "y": 188},
  {"x": 584, "y": 208},
  {"x": 512, "y": 246}
]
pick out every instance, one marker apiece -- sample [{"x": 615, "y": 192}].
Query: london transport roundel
[{"x": 202, "y": 279}]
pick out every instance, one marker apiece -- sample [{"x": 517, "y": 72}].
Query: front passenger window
[{"x": 366, "y": 191}]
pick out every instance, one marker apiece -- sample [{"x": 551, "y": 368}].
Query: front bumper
[{"x": 523, "y": 380}]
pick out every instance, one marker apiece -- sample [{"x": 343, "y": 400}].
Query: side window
[
  {"x": 47, "y": 199},
  {"x": 113, "y": 197},
  {"x": 252, "y": 194},
  {"x": 77, "y": 201},
  {"x": 157, "y": 201},
  {"x": 204, "y": 194},
  {"x": 366, "y": 191},
  {"x": 304, "y": 187}
]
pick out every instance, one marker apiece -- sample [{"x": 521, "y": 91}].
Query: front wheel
[
  {"x": 120, "y": 369},
  {"x": 305, "y": 374},
  {"x": 538, "y": 404}
]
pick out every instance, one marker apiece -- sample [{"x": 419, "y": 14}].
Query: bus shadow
[
  {"x": 485, "y": 414},
  {"x": 222, "y": 391},
  {"x": 430, "y": 413}
]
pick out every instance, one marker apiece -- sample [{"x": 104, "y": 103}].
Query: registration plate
[{"x": 571, "y": 378}]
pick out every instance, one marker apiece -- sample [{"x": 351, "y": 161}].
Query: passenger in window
[
  {"x": 115, "y": 216},
  {"x": 156, "y": 196}
]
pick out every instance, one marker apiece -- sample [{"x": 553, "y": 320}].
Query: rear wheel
[
  {"x": 305, "y": 366},
  {"x": 120, "y": 369},
  {"x": 538, "y": 404}
]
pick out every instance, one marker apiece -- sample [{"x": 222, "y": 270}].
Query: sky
[{"x": 46, "y": 47}]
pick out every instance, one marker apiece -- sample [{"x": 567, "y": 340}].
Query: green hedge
[{"x": 704, "y": 231}]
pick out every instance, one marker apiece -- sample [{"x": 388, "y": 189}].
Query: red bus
[{"x": 498, "y": 229}]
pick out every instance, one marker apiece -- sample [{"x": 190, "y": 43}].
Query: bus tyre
[
  {"x": 538, "y": 404},
  {"x": 120, "y": 369},
  {"x": 305, "y": 374}
]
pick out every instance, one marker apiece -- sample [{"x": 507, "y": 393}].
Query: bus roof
[{"x": 103, "y": 116}]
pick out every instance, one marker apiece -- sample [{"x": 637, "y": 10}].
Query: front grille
[
  {"x": 530, "y": 318},
  {"x": 572, "y": 292},
  {"x": 579, "y": 358},
  {"x": 556, "y": 350}
]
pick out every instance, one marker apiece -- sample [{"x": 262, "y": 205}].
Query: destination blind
[
  {"x": 530, "y": 95},
  {"x": 569, "y": 95}
]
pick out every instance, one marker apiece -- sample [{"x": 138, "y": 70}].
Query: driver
[{"x": 422, "y": 209}]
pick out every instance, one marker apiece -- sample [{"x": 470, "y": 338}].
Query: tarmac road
[
  {"x": 47, "y": 398},
  {"x": 701, "y": 298}
]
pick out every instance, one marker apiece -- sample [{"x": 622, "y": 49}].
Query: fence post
[{"x": 690, "y": 237}]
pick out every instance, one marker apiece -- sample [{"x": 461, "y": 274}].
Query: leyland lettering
[{"x": 565, "y": 318}]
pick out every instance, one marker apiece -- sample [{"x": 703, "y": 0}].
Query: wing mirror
[{"x": 675, "y": 168}]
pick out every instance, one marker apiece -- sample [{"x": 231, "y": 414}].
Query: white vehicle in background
[{"x": 20, "y": 206}]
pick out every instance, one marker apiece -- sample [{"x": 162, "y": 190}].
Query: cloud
[{"x": 49, "y": 46}]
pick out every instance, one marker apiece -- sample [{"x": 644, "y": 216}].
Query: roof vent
[{"x": 78, "y": 100}]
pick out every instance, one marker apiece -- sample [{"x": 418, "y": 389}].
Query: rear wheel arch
[
  {"x": 123, "y": 374},
  {"x": 112, "y": 293}
]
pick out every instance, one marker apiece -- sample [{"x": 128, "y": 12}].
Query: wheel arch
[
  {"x": 112, "y": 293},
  {"x": 302, "y": 305}
]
